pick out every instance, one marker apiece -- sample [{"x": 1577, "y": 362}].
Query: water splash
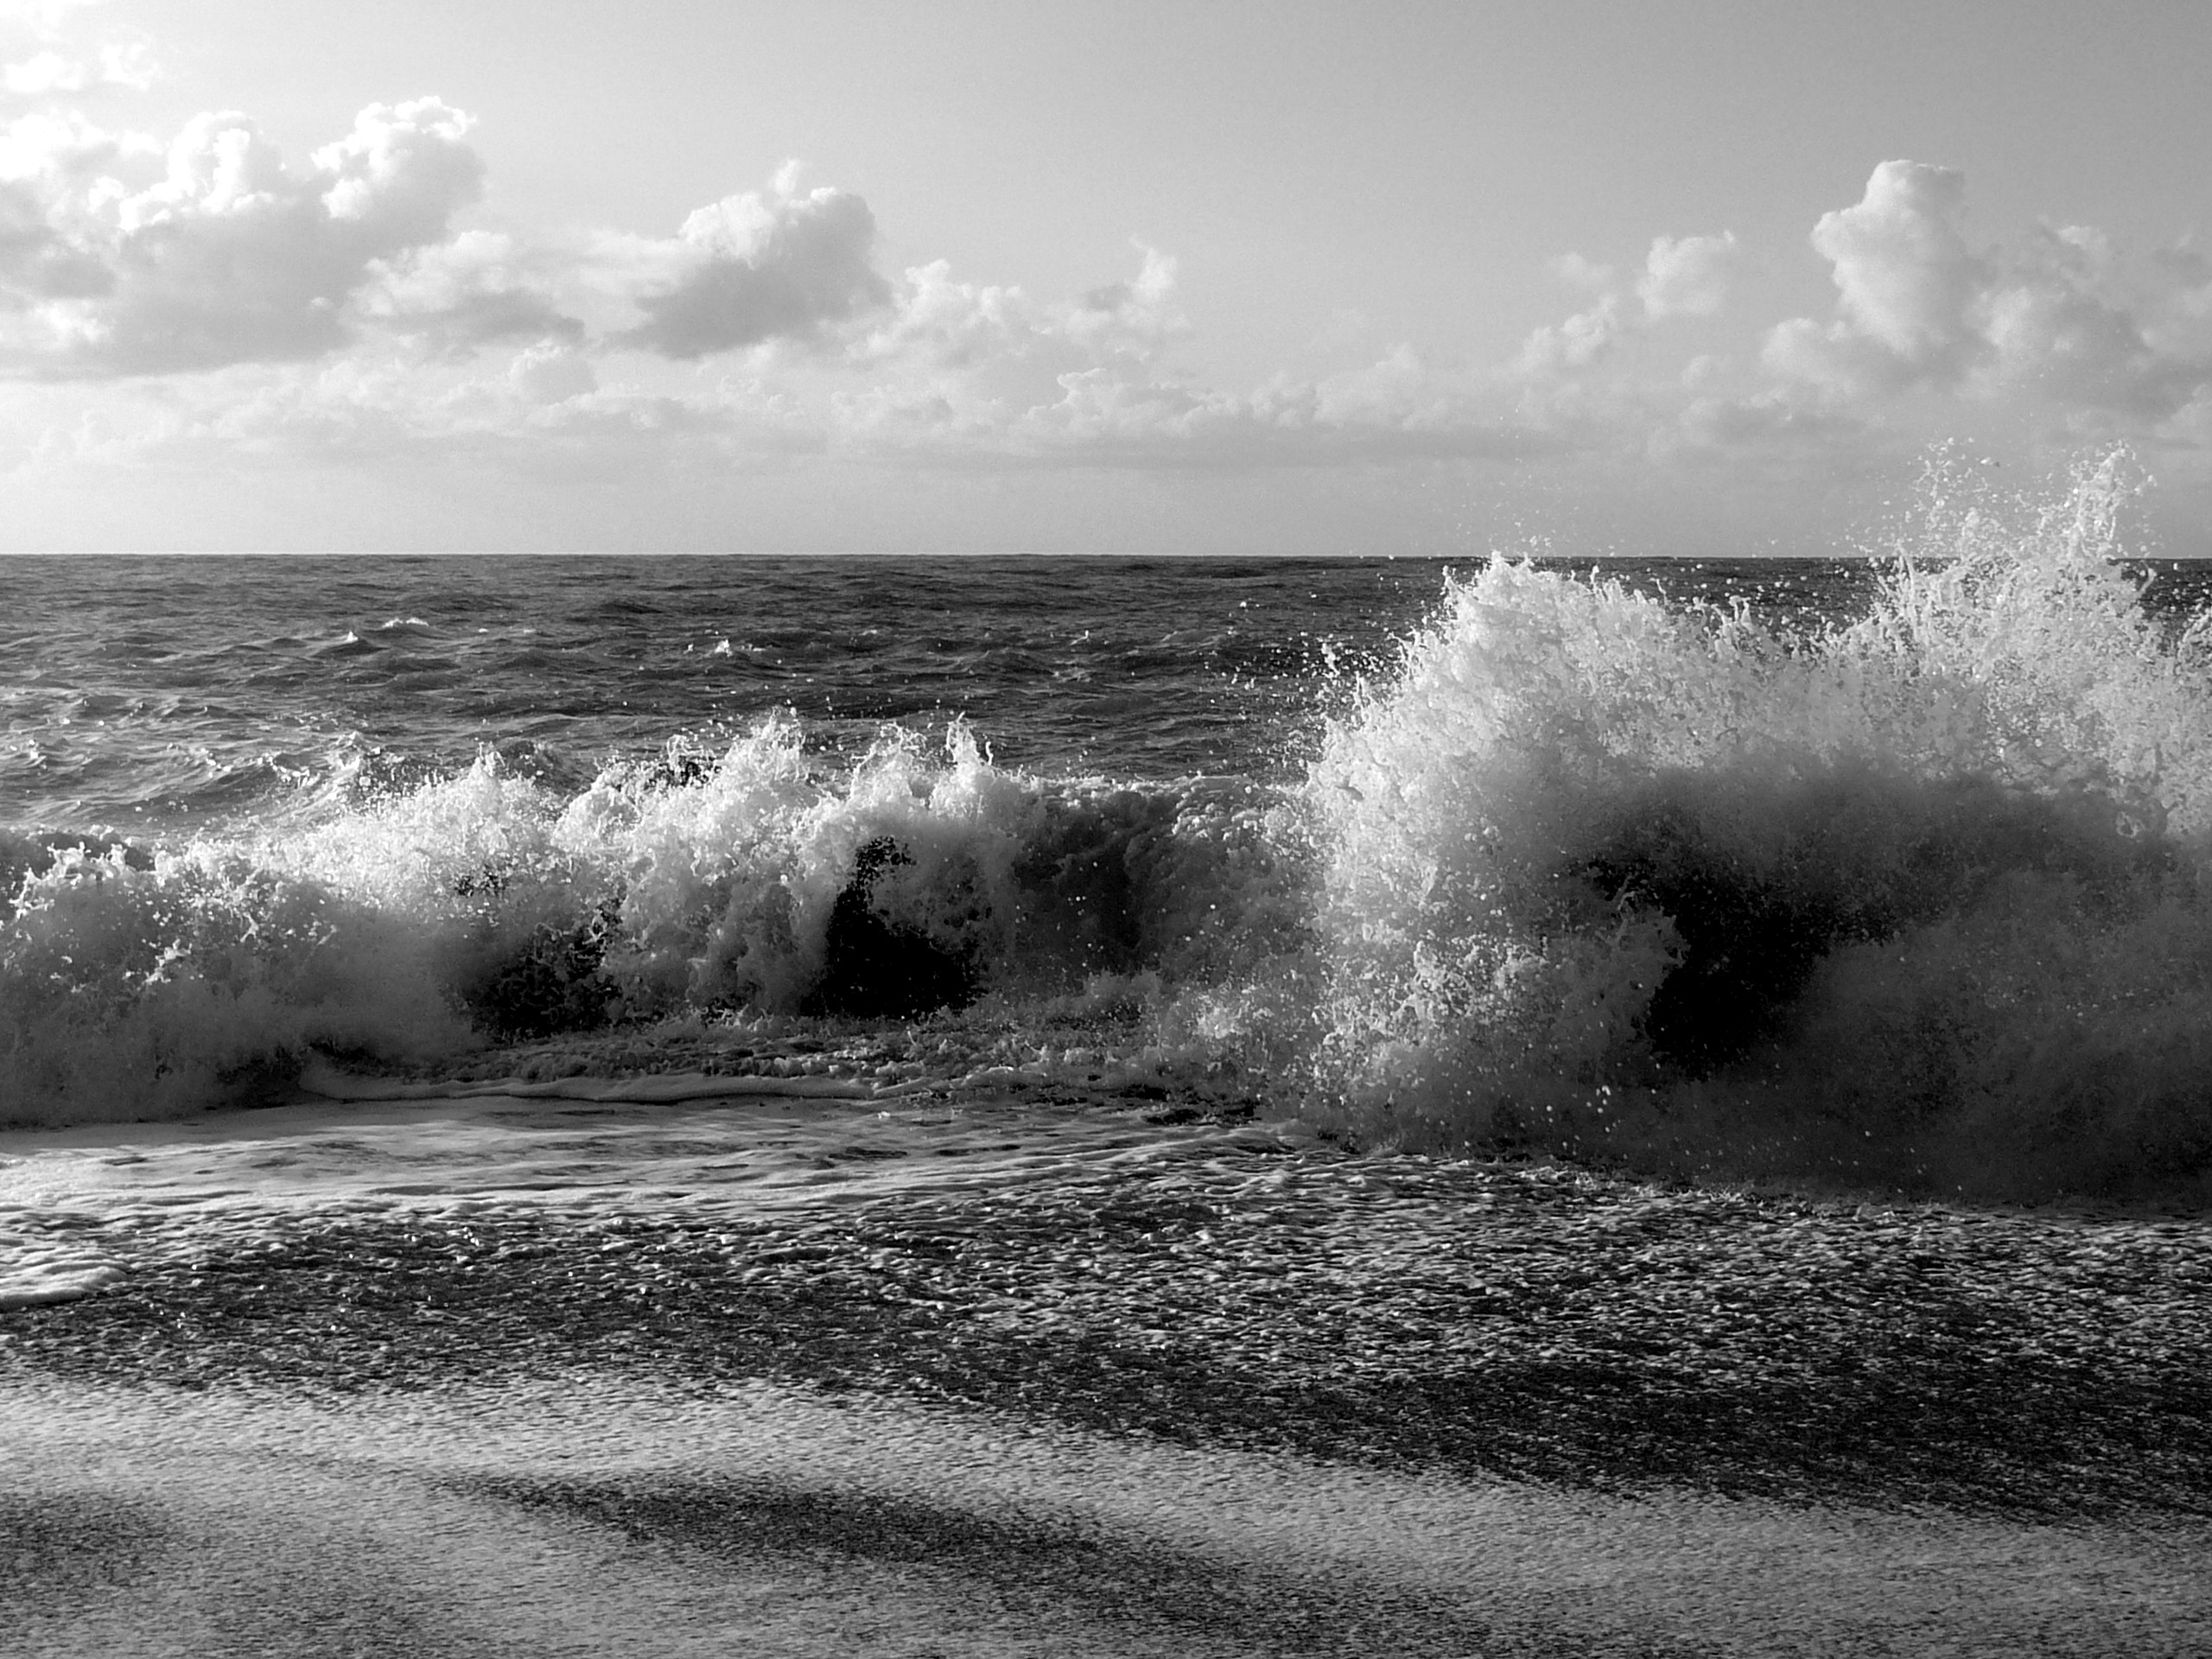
[
  {"x": 766, "y": 877},
  {"x": 1918, "y": 900}
]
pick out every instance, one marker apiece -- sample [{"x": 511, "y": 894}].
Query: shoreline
[
  {"x": 837, "y": 1376},
  {"x": 1243, "y": 1284}
]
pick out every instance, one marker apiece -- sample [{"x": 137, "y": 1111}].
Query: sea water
[{"x": 1886, "y": 873}]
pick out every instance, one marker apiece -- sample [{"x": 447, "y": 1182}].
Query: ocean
[
  {"x": 1289, "y": 1105},
  {"x": 1883, "y": 873}
]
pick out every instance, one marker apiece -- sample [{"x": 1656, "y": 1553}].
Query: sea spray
[
  {"x": 1917, "y": 900},
  {"x": 767, "y": 878},
  {"x": 162, "y": 985}
]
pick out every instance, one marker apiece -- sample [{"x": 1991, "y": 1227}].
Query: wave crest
[{"x": 1918, "y": 900}]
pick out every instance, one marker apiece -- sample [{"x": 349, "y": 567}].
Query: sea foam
[
  {"x": 1919, "y": 900},
  {"x": 764, "y": 877}
]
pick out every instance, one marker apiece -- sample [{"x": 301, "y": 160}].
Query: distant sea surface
[{"x": 159, "y": 694}]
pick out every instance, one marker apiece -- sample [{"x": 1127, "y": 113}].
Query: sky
[{"x": 1579, "y": 278}]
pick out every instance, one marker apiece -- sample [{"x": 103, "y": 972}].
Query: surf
[
  {"x": 1914, "y": 901},
  {"x": 1910, "y": 898}
]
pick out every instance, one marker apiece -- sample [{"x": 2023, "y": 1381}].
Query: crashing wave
[{"x": 1916, "y": 899}]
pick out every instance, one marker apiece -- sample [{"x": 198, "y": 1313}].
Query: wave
[
  {"x": 1915, "y": 900},
  {"x": 1919, "y": 901},
  {"x": 412, "y": 925}
]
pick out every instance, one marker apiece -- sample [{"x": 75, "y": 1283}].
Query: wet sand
[
  {"x": 603, "y": 1515},
  {"x": 841, "y": 1375}
]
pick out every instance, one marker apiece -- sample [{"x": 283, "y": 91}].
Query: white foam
[
  {"x": 36, "y": 1270},
  {"x": 75, "y": 1202},
  {"x": 1999, "y": 786}
]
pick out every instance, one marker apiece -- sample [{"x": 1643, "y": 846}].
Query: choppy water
[{"x": 1886, "y": 873}]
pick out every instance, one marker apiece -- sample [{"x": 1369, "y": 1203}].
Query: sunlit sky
[{"x": 1387, "y": 278}]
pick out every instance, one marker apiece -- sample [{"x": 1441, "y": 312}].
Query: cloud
[
  {"x": 989, "y": 374},
  {"x": 1902, "y": 265},
  {"x": 1682, "y": 276},
  {"x": 458, "y": 294},
  {"x": 224, "y": 255},
  {"x": 551, "y": 373},
  {"x": 752, "y": 268},
  {"x": 1688, "y": 275},
  {"x": 2055, "y": 327},
  {"x": 1114, "y": 412},
  {"x": 1906, "y": 283},
  {"x": 129, "y": 65},
  {"x": 1566, "y": 347},
  {"x": 2054, "y": 320},
  {"x": 1769, "y": 420}
]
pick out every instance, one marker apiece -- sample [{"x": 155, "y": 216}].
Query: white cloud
[
  {"x": 2058, "y": 327},
  {"x": 2054, "y": 321},
  {"x": 1682, "y": 276},
  {"x": 1137, "y": 314},
  {"x": 224, "y": 254},
  {"x": 1688, "y": 275},
  {"x": 460, "y": 294},
  {"x": 551, "y": 373},
  {"x": 751, "y": 268},
  {"x": 127, "y": 65},
  {"x": 1574, "y": 345},
  {"x": 341, "y": 310},
  {"x": 1906, "y": 284},
  {"x": 1902, "y": 265}
]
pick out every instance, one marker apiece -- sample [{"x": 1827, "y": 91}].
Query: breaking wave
[
  {"x": 1913, "y": 901},
  {"x": 763, "y": 878},
  {"x": 1917, "y": 901}
]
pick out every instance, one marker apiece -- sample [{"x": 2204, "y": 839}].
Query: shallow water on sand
[
  {"x": 528, "y": 1367},
  {"x": 1232, "y": 1281}
]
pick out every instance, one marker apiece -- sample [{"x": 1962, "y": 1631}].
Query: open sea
[{"x": 1740, "y": 1030}]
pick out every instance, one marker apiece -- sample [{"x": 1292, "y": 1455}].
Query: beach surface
[{"x": 676, "y": 1365}]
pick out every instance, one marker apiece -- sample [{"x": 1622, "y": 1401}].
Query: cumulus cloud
[
  {"x": 1901, "y": 262},
  {"x": 1906, "y": 283},
  {"x": 1682, "y": 276},
  {"x": 1116, "y": 410},
  {"x": 214, "y": 256},
  {"x": 1686, "y": 275},
  {"x": 467, "y": 292},
  {"x": 751, "y": 268},
  {"x": 955, "y": 324},
  {"x": 1143, "y": 304},
  {"x": 552, "y": 371},
  {"x": 2054, "y": 318},
  {"x": 1575, "y": 344},
  {"x": 2057, "y": 326},
  {"x": 112, "y": 263}
]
